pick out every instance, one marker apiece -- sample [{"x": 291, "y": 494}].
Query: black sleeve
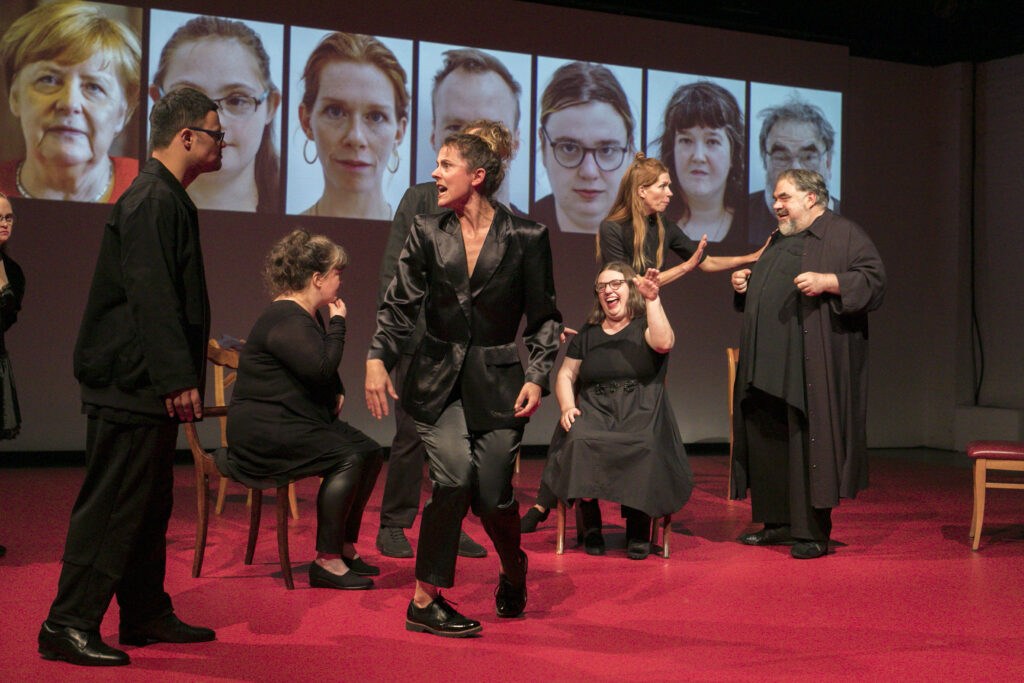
[
  {"x": 11, "y": 294},
  {"x": 416, "y": 200},
  {"x": 677, "y": 241},
  {"x": 613, "y": 244},
  {"x": 311, "y": 356}
]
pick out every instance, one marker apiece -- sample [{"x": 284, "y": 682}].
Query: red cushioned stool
[{"x": 992, "y": 455}]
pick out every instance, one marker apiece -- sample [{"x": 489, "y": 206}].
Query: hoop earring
[
  {"x": 305, "y": 155},
  {"x": 397, "y": 159}
]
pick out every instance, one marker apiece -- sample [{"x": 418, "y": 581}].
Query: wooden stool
[
  {"x": 1007, "y": 456},
  {"x": 666, "y": 528}
]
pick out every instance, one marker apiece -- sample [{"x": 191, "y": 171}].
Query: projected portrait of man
[
  {"x": 795, "y": 134},
  {"x": 469, "y": 85}
]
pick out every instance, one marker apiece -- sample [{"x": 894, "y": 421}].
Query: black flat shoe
[
  {"x": 509, "y": 598},
  {"x": 349, "y": 581},
  {"x": 638, "y": 549},
  {"x": 809, "y": 550},
  {"x": 391, "y": 542},
  {"x": 439, "y": 618},
  {"x": 533, "y": 517},
  {"x": 470, "y": 548},
  {"x": 778, "y": 535},
  {"x": 593, "y": 542},
  {"x": 360, "y": 568},
  {"x": 166, "y": 629},
  {"x": 84, "y": 648}
]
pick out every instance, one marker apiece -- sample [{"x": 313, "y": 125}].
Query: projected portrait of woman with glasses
[
  {"x": 585, "y": 132},
  {"x": 229, "y": 61}
]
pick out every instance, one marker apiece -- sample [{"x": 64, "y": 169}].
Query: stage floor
[{"x": 901, "y": 597}]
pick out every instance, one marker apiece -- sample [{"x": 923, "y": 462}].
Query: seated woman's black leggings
[{"x": 343, "y": 495}]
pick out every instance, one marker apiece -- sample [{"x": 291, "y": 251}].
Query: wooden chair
[
  {"x": 733, "y": 358},
  {"x": 665, "y": 522},
  {"x": 224, "y": 375},
  {"x": 205, "y": 467},
  {"x": 1005, "y": 456}
]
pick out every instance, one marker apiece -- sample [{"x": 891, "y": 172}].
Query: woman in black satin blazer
[{"x": 476, "y": 271}]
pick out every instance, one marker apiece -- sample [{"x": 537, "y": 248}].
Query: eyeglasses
[
  {"x": 808, "y": 159},
  {"x": 570, "y": 154},
  {"x": 217, "y": 135},
  {"x": 241, "y": 106},
  {"x": 236, "y": 105},
  {"x": 613, "y": 284},
  {"x": 7, "y": 218}
]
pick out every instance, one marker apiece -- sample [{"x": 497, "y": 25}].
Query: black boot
[
  {"x": 638, "y": 533},
  {"x": 590, "y": 516}
]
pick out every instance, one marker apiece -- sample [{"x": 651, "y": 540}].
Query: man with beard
[{"x": 801, "y": 386}]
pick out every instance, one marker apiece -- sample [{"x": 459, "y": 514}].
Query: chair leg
[
  {"x": 666, "y": 532},
  {"x": 293, "y": 502},
  {"x": 560, "y": 530},
  {"x": 283, "y": 499},
  {"x": 255, "y": 507},
  {"x": 980, "y": 475},
  {"x": 222, "y": 492},
  {"x": 202, "y": 521}
]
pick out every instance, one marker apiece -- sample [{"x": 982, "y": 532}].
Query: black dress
[
  {"x": 11, "y": 295},
  {"x": 624, "y": 446},
  {"x": 281, "y": 424}
]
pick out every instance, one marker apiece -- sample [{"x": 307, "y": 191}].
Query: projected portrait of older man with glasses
[{"x": 799, "y": 129}]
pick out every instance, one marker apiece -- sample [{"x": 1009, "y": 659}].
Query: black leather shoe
[
  {"x": 349, "y": 581},
  {"x": 533, "y": 517},
  {"x": 439, "y": 618},
  {"x": 638, "y": 549},
  {"x": 166, "y": 629},
  {"x": 360, "y": 568},
  {"x": 84, "y": 648},
  {"x": 778, "y": 535},
  {"x": 593, "y": 542},
  {"x": 470, "y": 548},
  {"x": 510, "y": 599},
  {"x": 391, "y": 541},
  {"x": 809, "y": 550}
]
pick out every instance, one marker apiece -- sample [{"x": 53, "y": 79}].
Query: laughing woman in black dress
[
  {"x": 619, "y": 442},
  {"x": 283, "y": 421}
]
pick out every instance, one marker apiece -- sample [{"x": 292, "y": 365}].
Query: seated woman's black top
[{"x": 281, "y": 422}]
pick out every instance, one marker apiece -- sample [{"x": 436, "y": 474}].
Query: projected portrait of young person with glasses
[
  {"x": 585, "y": 131},
  {"x": 236, "y": 64}
]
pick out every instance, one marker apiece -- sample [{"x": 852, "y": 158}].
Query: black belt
[{"x": 625, "y": 385}]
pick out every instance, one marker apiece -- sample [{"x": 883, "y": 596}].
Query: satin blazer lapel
[
  {"x": 491, "y": 253},
  {"x": 451, "y": 251}
]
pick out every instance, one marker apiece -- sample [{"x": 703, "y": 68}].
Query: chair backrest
[{"x": 225, "y": 371}]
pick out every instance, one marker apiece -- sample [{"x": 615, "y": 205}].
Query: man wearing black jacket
[{"x": 140, "y": 360}]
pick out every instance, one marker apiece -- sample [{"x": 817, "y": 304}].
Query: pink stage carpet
[{"x": 901, "y": 598}]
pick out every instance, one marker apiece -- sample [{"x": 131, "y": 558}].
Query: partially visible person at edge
[
  {"x": 73, "y": 80},
  {"x": 800, "y": 401},
  {"x": 475, "y": 271},
  {"x": 12, "y": 291},
  {"x": 248, "y": 99},
  {"x": 283, "y": 421},
  {"x": 141, "y": 360},
  {"x": 638, "y": 233},
  {"x": 401, "y": 499}
]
